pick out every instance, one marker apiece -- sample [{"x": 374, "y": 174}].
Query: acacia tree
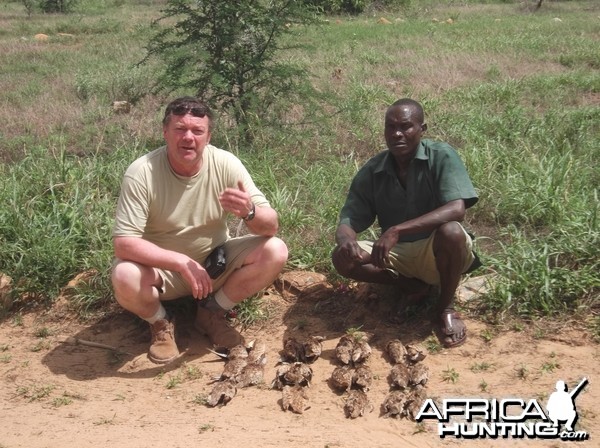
[
  {"x": 231, "y": 54},
  {"x": 49, "y": 6}
]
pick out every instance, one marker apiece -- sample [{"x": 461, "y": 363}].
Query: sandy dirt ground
[{"x": 55, "y": 393}]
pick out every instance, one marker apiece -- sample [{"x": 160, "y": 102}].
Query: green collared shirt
[{"x": 435, "y": 176}]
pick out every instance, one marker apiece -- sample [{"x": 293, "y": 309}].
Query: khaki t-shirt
[{"x": 180, "y": 213}]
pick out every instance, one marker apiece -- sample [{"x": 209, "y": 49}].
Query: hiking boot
[
  {"x": 216, "y": 327},
  {"x": 163, "y": 348}
]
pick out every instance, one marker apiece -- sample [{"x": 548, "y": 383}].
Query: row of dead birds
[
  {"x": 353, "y": 375},
  {"x": 408, "y": 379},
  {"x": 294, "y": 374},
  {"x": 244, "y": 367}
]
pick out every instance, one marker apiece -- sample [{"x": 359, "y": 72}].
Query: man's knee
[
  {"x": 449, "y": 236},
  {"x": 279, "y": 249},
  {"x": 276, "y": 252},
  {"x": 128, "y": 277},
  {"x": 121, "y": 275}
]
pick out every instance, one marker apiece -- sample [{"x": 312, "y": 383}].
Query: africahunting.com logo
[{"x": 472, "y": 418}]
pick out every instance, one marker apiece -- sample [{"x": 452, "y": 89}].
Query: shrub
[
  {"x": 58, "y": 223},
  {"x": 339, "y": 6},
  {"x": 228, "y": 53},
  {"x": 49, "y": 6}
]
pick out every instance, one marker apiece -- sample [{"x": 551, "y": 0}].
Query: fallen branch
[{"x": 77, "y": 341}]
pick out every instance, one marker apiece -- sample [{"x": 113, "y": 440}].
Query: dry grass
[{"x": 398, "y": 62}]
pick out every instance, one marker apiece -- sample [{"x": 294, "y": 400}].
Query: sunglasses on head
[{"x": 184, "y": 109}]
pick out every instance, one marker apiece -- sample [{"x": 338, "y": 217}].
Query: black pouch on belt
[{"x": 216, "y": 263}]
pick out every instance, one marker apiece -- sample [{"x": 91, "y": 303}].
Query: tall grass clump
[
  {"x": 532, "y": 158},
  {"x": 307, "y": 195},
  {"x": 56, "y": 214},
  {"x": 546, "y": 275}
]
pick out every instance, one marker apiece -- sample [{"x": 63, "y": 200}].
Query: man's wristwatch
[{"x": 251, "y": 214}]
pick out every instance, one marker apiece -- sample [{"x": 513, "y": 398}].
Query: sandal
[{"x": 452, "y": 331}]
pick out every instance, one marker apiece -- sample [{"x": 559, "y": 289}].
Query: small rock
[
  {"x": 121, "y": 107},
  {"x": 5, "y": 290},
  {"x": 303, "y": 284}
]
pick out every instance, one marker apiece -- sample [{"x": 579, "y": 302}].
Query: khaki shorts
[
  {"x": 416, "y": 260},
  {"x": 236, "y": 251}
]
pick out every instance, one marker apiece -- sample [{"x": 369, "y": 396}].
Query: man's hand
[
  {"x": 350, "y": 251},
  {"x": 236, "y": 201},
  {"x": 347, "y": 250},
  {"x": 380, "y": 255},
  {"x": 197, "y": 277},
  {"x": 146, "y": 253}
]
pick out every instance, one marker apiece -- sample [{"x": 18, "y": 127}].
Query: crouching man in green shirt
[{"x": 419, "y": 191}]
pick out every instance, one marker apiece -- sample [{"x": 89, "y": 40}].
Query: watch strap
[{"x": 251, "y": 214}]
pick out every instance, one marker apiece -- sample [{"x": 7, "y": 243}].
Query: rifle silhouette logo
[{"x": 561, "y": 404}]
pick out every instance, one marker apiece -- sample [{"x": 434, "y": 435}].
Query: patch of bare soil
[{"x": 54, "y": 393}]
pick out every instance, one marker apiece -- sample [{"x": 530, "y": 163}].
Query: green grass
[
  {"x": 61, "y": 401},
  {"x": 206, "y": 427},
  {"x": 450, "y": 375},
  {"x": 515, "y": 92},
  {"x": 481, "y": 367},
  {"x": 250, "y": 312},
  {"x": 35, "y": 392}
]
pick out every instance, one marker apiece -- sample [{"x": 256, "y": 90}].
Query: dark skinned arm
[
  {"x": 451, "y": 211},
  {"x": 347, "y": 248}
]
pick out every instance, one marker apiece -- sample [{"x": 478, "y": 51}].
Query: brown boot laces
[{"x": 162, "y": 333}]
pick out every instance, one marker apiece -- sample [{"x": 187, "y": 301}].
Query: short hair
[
  {"x": 188, "y": 105},
  {"x": 412, "y": 104}
]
